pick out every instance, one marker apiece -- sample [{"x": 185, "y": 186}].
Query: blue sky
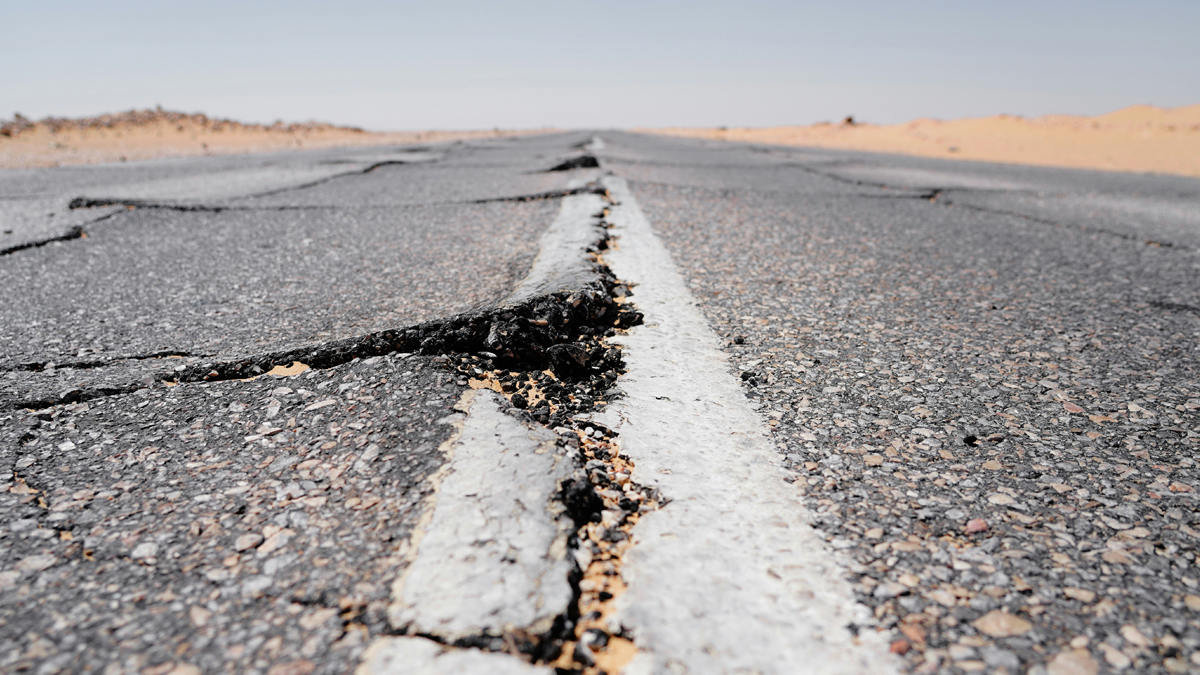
[{"x": 454, "y": 65}]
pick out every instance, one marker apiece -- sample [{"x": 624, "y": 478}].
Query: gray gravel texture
[
  {"x": 236, "y": 526},
  {"x": 232, "y": 526},
  {"x": 219, "y": 284},
  {"x": 985, "y": 411}
]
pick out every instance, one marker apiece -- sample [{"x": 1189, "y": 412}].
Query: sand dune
[
  {"x": 148, "y": 134},
  {"x": 1139, "y": 138}
]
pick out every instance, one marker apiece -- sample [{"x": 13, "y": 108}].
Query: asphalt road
[
  {"x": 980, "y": 379},
  {"x": 948, "y": 346}
]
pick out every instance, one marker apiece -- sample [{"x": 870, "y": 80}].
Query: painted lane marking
[
  {"x": 493, "y": 556},
  {"x": 729, "y": 576}
]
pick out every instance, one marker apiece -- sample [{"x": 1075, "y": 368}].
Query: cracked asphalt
[
  {"x": 983, "y": 379},
  {"x": 380, "y": 251},
  {"x": 236, "y": 525}
]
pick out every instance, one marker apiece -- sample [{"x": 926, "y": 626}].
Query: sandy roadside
[
  {"x": 150, "y": 134},
  {"x": 1139, "y": 138}
]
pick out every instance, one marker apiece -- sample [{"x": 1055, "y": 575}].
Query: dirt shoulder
[
  {"x": 151, "y": 134},
  {"x": 1139, "y": 138}
]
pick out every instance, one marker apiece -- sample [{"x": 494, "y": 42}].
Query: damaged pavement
[{"x": 582, "y": 404}]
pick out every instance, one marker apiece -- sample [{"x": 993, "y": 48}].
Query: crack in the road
[
  {"x": 75, "y": 232},
  {"x": 541, "y": 196},
  {"x": 92, "y": 202},
  {"x": 940, "y": 196},
  {"x": 580, "y": 162},
  {"x": 1071, "y": 226},
  {"x": 1175, "y": 306},
  {"x": 86, "y": 203},
  {"x": 40, "y": 366},
  {"x": 604, "y": 504}
]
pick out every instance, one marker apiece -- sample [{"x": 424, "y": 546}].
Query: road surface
[{"x": 677, "y": 406}]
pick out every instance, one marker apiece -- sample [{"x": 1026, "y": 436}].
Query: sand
[
  {"x": 150, "y": 134},
  {"x": 1139, "y": 138}
]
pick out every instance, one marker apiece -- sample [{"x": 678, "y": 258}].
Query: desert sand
[
  {"x": 1139, "y": 138},
  {"x": 149, "y": 134}
]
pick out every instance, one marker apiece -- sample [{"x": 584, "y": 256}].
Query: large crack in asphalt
[
  {"x": 75, "y": 232},
  {"x": 559, "y": 387},
  {"x": 557, "y": 330},
  {"x": 183, "y": 207},
  {"x": 42, "y": 366},
  {"x": 549, "y": 357}
]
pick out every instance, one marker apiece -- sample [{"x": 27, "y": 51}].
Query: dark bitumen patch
[
  {"x": 915, "y": 363},
  {"x": 125, "y": 516},
  {"x": 580, "y": 162}
]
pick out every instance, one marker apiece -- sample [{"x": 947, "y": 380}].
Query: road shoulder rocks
[{"x": 728, "y": 575}]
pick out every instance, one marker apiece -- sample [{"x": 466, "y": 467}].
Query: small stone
[
  {"x": 36, "y": 563},
  {"x": 899, "y": 647},
  {"x": 146, "y": 550},
  {"x": 960, "y": 652},
  {"x": 1135, "y": 637},
  {"x": 995, "y": 657},
  {"x": 910, "y": 580},
  {"x": 1175, "y": 665},
  {"x": 975, "y": 525},
  {"x": 1073, "y": 662},
  {"x": 1079, "y": 642},
  {"x": 1072, "y": 408},
  {"x": 247, "y": 541},
  {"x": 942, "y": 597},
  {"x": 1080, "y": 594},
  {"x": 889, "y": 590},
  {"x": 1192, "y": 602},
  {"x": 992, "y": 465},
  {"x": 300, "y": 667},
  {"x": 278, "y": 540},
  {"x": 317, "y": 618},
  {"x": 1117, "y": 557},
  {"x": 1001, "y": 624},
  {"x": 199, "y": 616},
  {"x": 914, "y": 632},
  {"x": 185, "y": 669},
  {"x": 1115, "y": 657}
]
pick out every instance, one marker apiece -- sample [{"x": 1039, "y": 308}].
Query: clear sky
[{"x": 399, "y": 65}]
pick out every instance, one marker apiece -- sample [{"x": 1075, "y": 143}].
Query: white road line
[
  {"x": 494, "y": 555},
  {"x": 562, "y": 261},
  {"x": 729, "y": 576},
  {"x": 418, "y": 656}
]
